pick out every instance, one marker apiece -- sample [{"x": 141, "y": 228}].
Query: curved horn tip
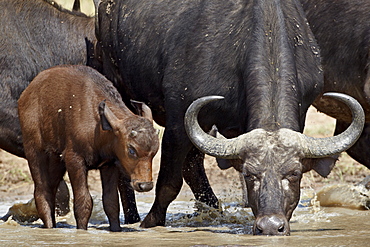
[
  {"x": 338, "y": 95},
  {"x": 351, "y": 102},
  {"x": 221, "y": 148},
  {"x": 324, "y": 147},
  {"x": 211, "y": 97}
]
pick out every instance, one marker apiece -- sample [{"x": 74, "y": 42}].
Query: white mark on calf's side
[{"x": 59, "y": 110}]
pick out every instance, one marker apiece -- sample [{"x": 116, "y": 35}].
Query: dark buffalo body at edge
[
  {"x": 260, "y": 55},
  {"x": 342, "y": 30}
]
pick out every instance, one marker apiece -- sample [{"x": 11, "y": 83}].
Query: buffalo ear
[
  {"x": 142, "y": 109},
  {"x": 107, "y": 118},
  {"x": 224, "y": 164},
  {"x": 322, "y": 166}
]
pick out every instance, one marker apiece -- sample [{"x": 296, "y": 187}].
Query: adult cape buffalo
[{"x": 261, "y": 56}]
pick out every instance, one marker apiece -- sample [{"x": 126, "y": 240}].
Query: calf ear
[
  {"x": 107, "y": 117},
  {"x": 142, "y": 109},
  {"x": 322, "y": 166}
]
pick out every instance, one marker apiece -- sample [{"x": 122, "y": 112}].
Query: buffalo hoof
[
  {"x": 132, "y": 219},
  {"x": 151, "y": 221},
  {"x": 115, "y": 228}
]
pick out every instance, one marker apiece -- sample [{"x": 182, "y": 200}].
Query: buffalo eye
[{"x": 132, "y": 152}]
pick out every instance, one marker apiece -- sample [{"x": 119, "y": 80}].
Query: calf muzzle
[{"x": 142, "y": 186}]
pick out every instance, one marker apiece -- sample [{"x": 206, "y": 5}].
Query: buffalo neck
[{"x": 274, "y": 71}]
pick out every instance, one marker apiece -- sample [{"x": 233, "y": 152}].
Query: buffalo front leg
[
  {"x": 62, "y": 199},
  {"x": 195, "y": 176},
  {"x": 128, "y": 199},
  {"x": 174, "y": 150},
  {"x": 109, "y": 177},
  {"x": 82, "y": 203}
]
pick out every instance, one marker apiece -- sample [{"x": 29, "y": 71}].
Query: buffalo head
[{"x": 273, "y": 162}]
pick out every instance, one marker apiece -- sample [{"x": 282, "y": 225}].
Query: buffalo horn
[
  {"x": 220, "y": 148},
  {"x": 324, "y": 147},
  {"x": 311, "y": 147}
]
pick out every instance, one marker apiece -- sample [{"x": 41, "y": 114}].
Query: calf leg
[
  {"x": 109, "y": 177},
  {"x": 195, "y": 176},
  {"x": 359, "y": 151},
  {"x": 47, "y": 172},
  {"x": 38, "y": 164},
  {"x": 77, "y": 173}
]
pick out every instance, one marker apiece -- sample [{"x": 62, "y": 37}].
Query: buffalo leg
[
  {"x": 175, "y": 149},
  {"x": 62, "y": 199},
  {"x": 128, "y": 199},
  {"x": 195, "y": 176},
  {"x": 77, "y": 173},
  {"x": 360, "y": 149},
  {"x": 169, "y": 180},
  {"x": 109, "y": 177}
]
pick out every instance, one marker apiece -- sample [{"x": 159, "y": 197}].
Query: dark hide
[
  {"x": 260, "y": 55},
  {"x": 342, "y": 30},
  {"x": 60, "y": 114}
]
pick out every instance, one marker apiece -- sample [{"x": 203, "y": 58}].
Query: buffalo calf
[{"x": 73, "y": 119}]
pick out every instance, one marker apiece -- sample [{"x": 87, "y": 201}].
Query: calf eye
[
  {"x": 132, "y": 152},
  {"x": 293, "y": 176},
  {"x": 249, "y": 176}
]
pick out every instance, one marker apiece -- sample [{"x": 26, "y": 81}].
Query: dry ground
[{"x": 16, "y": 182}]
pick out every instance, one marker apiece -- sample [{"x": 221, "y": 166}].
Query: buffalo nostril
[
  {"x": 258, "y": 231},
  {"x": 271, "y": 225},
  {"x": 281, "y": 229}
]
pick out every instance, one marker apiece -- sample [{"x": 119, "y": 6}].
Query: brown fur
[{"x": 62, "y": 119}]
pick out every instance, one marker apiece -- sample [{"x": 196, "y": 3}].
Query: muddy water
[{"x": 311, "y": 226}]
